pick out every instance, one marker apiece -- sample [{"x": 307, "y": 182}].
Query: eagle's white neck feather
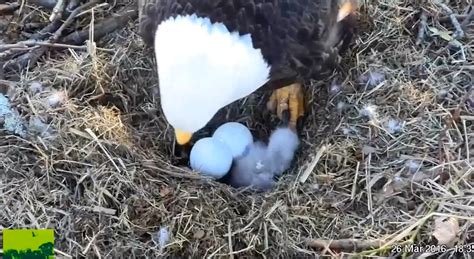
[{"x": 202, "y": 67}]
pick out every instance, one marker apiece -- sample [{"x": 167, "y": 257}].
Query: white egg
[
  {"x": 236, "y": 136},
  {"x": 211, "y": 157}
]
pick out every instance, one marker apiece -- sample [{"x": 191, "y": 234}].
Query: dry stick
[
  {"x": 141, "y": 4},
  {"x": 51, "y": 4},
  {"x": 354, "y": 182},
  {"x": 8, "y": 8},
  {"x": 422, "y": 27},
  {"x": 229, "y": 231},
  {"x": 33, "y": 56},
  {"x": 104, "y": 27},
  {"x": 34, "y": 25},
  {"x": 450, "y": 120},
  {"x": 47, "y": 31},
  {"x": 347, "y": 245},
  {"x": 96, "y": 139},
  {"x": 69, "y": 20},
  {"x": 5, "y": 55},
  {"x": 62, "y": 254},
  {"x": 57, "y": 10},
  {"x": 30, "y": 43},
  {"x": 101, "y": 29},
  {"x": 459, "y": 31}
]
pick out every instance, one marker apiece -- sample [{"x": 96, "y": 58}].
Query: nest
[{"x": 382, "y": 165}]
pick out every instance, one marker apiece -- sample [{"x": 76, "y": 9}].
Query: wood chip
[{"x": 104, "y": 210}]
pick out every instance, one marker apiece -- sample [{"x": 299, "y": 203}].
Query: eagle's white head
[{"x": 203, "y": 67}]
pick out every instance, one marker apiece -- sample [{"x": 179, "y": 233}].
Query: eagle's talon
[
  {"x": 288, "y": 102},
  {"x": 285, "y": 117}
]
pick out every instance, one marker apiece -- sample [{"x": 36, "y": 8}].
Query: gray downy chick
[
  {"x": 281, "y": 149},
  {"x": 252, "y": 169},
  {"x": 260, "y": 164}
]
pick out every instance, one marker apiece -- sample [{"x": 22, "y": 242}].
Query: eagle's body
[{"x": 276, "y": 43}]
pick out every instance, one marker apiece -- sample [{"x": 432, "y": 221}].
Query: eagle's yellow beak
[{"x": 182, "y": 137}]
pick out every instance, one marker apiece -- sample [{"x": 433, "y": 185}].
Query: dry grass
[{"x": 105, "y": 182}]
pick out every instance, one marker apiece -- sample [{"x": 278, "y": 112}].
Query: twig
[
  {"x": 34, "y": 26},
  {"x": 8, "y": 8},
  {"x": 422, "y": 27},
  {"x": 229, "y": 231},
  {"x": 33, "y": 56},
  {"x": 354, "y": 182},
  {"x": 12, "y": 52},
  {"x": 347, "y": 245},
  {"x": 96, "y": 139},
  {"x": 30, "y": 43},
  {"x": 46, "y": 31},
  {"x": 141, "y": 5},
  {"x": 313, "y": 164},
  {"x": 459, "y": 31},
  {"x": 104, "y": 27},
  {"x": 58, "y": 10},
  {"x": 51, "y": 4},
  {"x": 107, "y": 211},
  {"x": 62, "y": 253},
  {"x": 450, "y": 120},
  {"x": 71, "y": 17}
]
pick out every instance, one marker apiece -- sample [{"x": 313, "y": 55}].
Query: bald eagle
[{"x": 210, "y": 53}]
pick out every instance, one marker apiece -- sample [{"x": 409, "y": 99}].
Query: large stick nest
[{"x": 387, "y": 163}]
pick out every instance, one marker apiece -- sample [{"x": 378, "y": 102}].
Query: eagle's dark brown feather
[{"x": 293, "y": 35}]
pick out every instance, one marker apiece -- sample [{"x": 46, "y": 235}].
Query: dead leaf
[
  {"x": 327, "y": 179},
  {"x": 442, "y": 34},
  {"x": 445, "y": 36},
  {"x": 388, "y": 190},
  {"x": 165, "y": 191},
  {"x": 394, "y": 185},
  {"x": 446, "y": 231},
  {"x": 199, "y": 234},
  {"x": 104, "y": 210},
  {"x": 456, "y": 115}
]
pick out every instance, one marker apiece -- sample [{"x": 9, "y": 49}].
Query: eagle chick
[{"x": 261, "y": 164}]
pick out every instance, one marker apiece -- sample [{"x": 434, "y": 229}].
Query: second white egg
[{"x": 236, "y": 136}]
